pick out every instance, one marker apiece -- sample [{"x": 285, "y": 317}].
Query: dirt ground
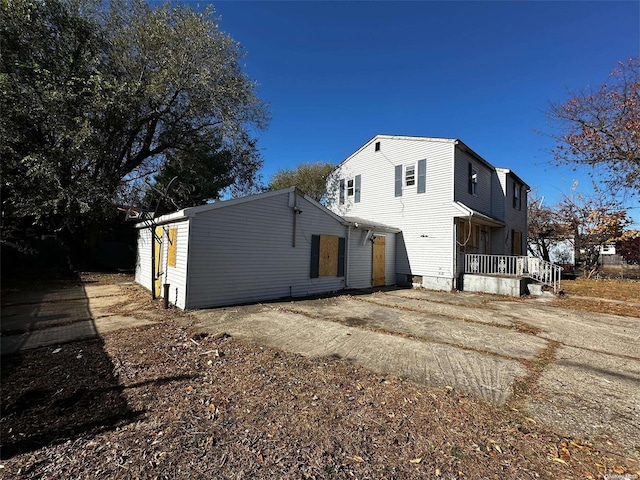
[{"x": 187, "y": 396}]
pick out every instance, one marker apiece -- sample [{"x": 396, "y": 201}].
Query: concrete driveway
[
  {"x": 577, "y": 371},
  {"x": 48, "y": 316}
]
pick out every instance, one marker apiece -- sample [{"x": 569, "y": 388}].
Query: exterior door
[
  {"x": 378, "y": 279},
  {"x": 157, "y": 252}
]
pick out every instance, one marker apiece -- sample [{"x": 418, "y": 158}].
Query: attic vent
[{"x": 377, "y": 146}]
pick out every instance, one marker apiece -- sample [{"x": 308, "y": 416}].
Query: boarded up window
[
  {"x": 172, "y": 235},
  {"x": 476, "y": 236},
  {"x": 468, "y": 236},
  {"x": 517, "y": 242},
  {"x": 327, "y": 256}
]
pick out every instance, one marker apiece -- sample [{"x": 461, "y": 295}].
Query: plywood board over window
[
  {"x": 328, "y": 256},
  {"x": 172, "y": 236},
  {"x": 517, "y": 243}
]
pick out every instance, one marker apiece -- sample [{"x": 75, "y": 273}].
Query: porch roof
[
  {"x": 481, "y": 218},
  {"x": 357, "y": 222}
]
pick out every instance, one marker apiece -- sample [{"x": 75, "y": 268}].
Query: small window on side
[
  {"x": 517, "y": 196},
  {"x": 350, "y": 188},
  {"x": 410, "y": 175},
  {"x": 473, "y": 181},
  {"x": 377, "y": 147}
]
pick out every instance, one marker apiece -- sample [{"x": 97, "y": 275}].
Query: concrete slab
[
  {"x": 591, "y": 387},
  {"x": 484, "y": 375},
  {"x": 34, "y": 319},
  {"x": 68, "y": 333},
  {"x": 76, "y": 292},
  {"x": 481, "y": 313},
  {"x": 590, "y": 395},
  {"x": 433, "y": 328},
  {"x": 600, "y": 332}
]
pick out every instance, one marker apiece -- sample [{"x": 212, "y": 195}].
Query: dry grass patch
[
  {"x": 612, "y": 289},
  {"x": 602, "y": 290}
]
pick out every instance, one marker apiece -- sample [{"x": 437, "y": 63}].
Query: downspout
[
  {"x": 152, "y": 236},
  {"x": 295, "y": 216}
]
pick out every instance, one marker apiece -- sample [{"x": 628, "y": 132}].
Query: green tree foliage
[
  {"x": 601, "y": 128},
  {"x": 195, "y": 177},
  {"x": 311, "y": 178},
  {"x": 97, "y": 94}
]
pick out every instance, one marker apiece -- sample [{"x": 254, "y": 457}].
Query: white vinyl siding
[
  {"x": 176, "y": 276},
  {"x": 466, "y": 164},
  {"x": 425, "y": 219},
  {"x": 360, "y": 252},
  {"x": 501, "y": 241},
  {"x": 143, "y": 258},
  {"x": 244, "y": 253}
]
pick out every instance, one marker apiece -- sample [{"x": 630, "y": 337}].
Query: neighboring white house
[
  {"x": 261, "y": 247},
  {"x": 444, "y": 197}
]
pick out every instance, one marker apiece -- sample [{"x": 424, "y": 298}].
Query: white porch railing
[{"x": 515, "y": 266}]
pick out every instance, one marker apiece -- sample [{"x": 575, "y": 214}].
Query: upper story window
[
  {"x": 350, "y": 188},
  {"x": 473, "y": 179},
  {"x": 517, "y": 196},
  {"x": 410, "y": 175},
  {"x": 377, "y": 147}
]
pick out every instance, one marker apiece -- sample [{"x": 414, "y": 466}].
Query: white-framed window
[
  {"x": 517, "y": 196},
  {"x": 473, "y": 180},
  {"x": 410, "y": 175},
  {"x": 350, "y": 188}
]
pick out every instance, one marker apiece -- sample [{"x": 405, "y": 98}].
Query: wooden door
[
  {"x": 157, "y": 252},
  {"x": 378, "y": 279}
]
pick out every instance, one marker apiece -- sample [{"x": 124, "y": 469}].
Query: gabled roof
[
  {"x": 458, "y": 143},
  {"x": 186, "y": 213},
  {"x": 396, "y": 137},
  {"x": 513, "y": 174}
]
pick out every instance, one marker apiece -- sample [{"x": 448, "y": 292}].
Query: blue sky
[{"x": 337, "y": 73}]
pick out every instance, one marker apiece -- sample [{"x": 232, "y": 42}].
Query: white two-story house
[{"x": 445, "y": 199}]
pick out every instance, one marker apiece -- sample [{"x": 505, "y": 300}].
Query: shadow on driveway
[{"x": 57, "y": 392}]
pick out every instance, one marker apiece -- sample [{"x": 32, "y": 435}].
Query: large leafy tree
[
  {"x": 311, "y": 178},
  {"x": 96, "y": 94},
  {"x": 198, "y": 176},
  {"x": 601, "y": 128}
]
